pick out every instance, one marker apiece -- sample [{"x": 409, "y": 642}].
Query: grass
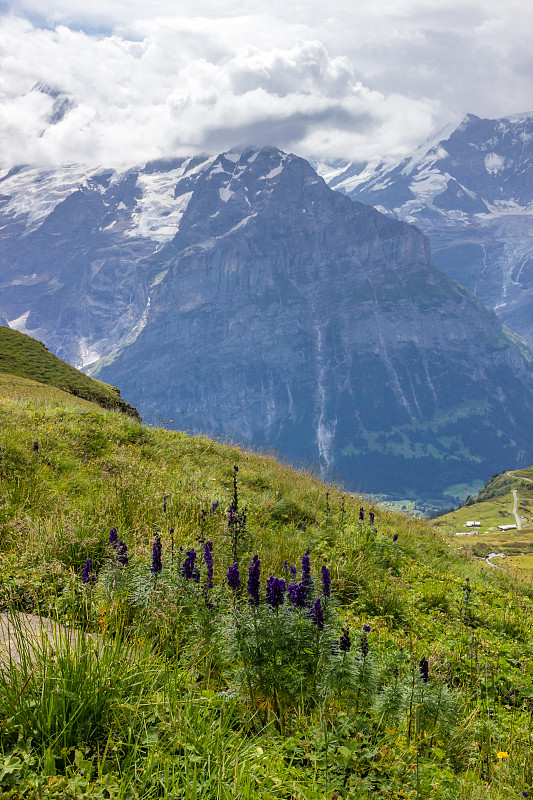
[
  {"x": 24, "y": 357},
  {"x": 145, "y": 691}
]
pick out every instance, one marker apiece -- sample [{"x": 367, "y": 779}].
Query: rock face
[
  {"x": 267, "y": 308},
  {"x": 472, "y": 194}
]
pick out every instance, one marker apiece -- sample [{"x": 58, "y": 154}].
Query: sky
[{"x": 115, "y": 82}]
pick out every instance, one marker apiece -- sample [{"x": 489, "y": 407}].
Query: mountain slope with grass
[
  {"x": 24, "y": 357},
  {"x": 257, "y": 632}
]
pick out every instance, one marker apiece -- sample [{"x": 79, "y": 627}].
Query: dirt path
[
  {"x": 515, "y": 512},
  {"x": 30, "y": 625}
]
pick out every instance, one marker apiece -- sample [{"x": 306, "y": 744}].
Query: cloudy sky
[{"x": 122, "y": 81}]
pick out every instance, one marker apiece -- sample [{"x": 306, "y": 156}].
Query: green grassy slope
[
  {"x": 493, "y": 506},
  {"x": 28, "y": 358},
  {"x": 181, "y": 716}
]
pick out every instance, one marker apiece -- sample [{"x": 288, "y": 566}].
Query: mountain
[
  {"x": 241, "y": 296},
  {"x": 471, "y": 192},
  {"x": 24, "y": 357}
]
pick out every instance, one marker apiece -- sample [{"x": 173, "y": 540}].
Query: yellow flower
[{"x": 502, "y": 754}]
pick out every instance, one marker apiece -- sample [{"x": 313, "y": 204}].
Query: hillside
[
  {"x": 409, "y": 680},
  {"x": 505, "y": 501},
  {"x": 28, "y": 358}
]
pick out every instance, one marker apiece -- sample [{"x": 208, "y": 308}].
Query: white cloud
[{"x": 326, "y": 80}]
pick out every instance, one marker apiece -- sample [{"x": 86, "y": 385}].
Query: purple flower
[
  {"x": 371, "y": 515},
  {"x": 395, "y": 537},
  {"x": 234, "y": 580},
  {"x": 285, "y": 567},
  {"x": 36, "y": 447},
  {"x": 424, "y": 669},
  {"x": 88, "y": 576},
  {"x": 297, "y": 594},
  {"x": 366, "y": 628},
  {"x": 122, "y": 554},
  {"x": 275, "y": 591},
  {"x": 293, "y": 570},
  {"x": 208, "y": 558},
  {"x": 214, "y": 506},
  {"x": 189, "y": 570},
  {"x": 157, "y": 549},
  {"x": 326, "y": 581},
  {"x": 361, "y": 513},
  {"x": 253, "y": 581},
  {"x": 203, "y": 514},
  {"x": 345, "y": 642},
  {"x": 306, "y": 569},
  {"x": 302, "y": 527},
  {"x": 236, "y": 468},
  {"x": 113, "y": 537},
  {"x": 364, "y": 645},
  {"x": 317, "y": 614}
]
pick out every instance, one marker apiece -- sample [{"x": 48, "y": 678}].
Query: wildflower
[
  {"x": 189, "y": 570},
  {"x": 302, "y": 527},
  {"x": 36, "y": 447},
  {"x": 293, "y": 570},
  {"x": 236, "y": 468},
  {"x": 214, "y": 506},
  {"x": 208, "y": 558},
  {"x": 361, "y": 514},
  {"x": 424, "y": 669},
  {"x": 88, "y": 575},
  {"x": 306, "y": 569},
  {"x": 364, "y": 645},
  {"x": 326, "y": 581},
  {"x": 122, "y": 554},
  {"x": 366, "y": 628},
  {"x": 157, "y": 548},
  {"x": 285, "y": 567},
  {"x": 345, "y": 642},
  {"x": 317, "y": 614},
  {"x": 275, "y": 591},
  {"x": 395, "y": 537},
  {"x": 502, "y": 754},
  {"x": 297, "y": 594},
  {"x": 253, "y": 581},
  {"x": 234, "y": 580},
  {"x": 113, "y": 537},
  {"x": 371, "y": 515},
  {"x": 203, "y": 514}
]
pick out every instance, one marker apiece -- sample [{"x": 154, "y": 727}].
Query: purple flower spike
[
  {"x": 157, "y": 549},
  {"x": 371, "y": 515},
  {"x": 189, "y": 570},
  {"x": 424, "y": 669},
  {"x": 317, "y": 614},
  {"x": 361, "y": 513},
  {"x": 234, "y": 580},
  {"x": 122, "y": 554},
  {"x": 113, "y": 537},
  {"x": 208, "y": 558},
  {"x": 275, "y": 592},
  {"x": 345, "y": 642},
  {"x": 326, "y": 581},
  {"x": 395, "y": 537},
  {"x": 88, "y": 575},
  {"x": 306, "y": 569},
  {"x": 253, "y": 581},
  {"x": 36, "y": 447},
  {"x": 366, "y": 628},
  {"x": 297, "y": 594},
  {"x": 285, "y": 567},
  {"x": 293, "y": 570}
]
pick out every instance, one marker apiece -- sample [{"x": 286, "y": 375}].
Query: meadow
[{"x": 217, "y": 624}]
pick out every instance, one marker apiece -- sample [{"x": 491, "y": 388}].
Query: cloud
[{"x": 323, "y": 80}]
